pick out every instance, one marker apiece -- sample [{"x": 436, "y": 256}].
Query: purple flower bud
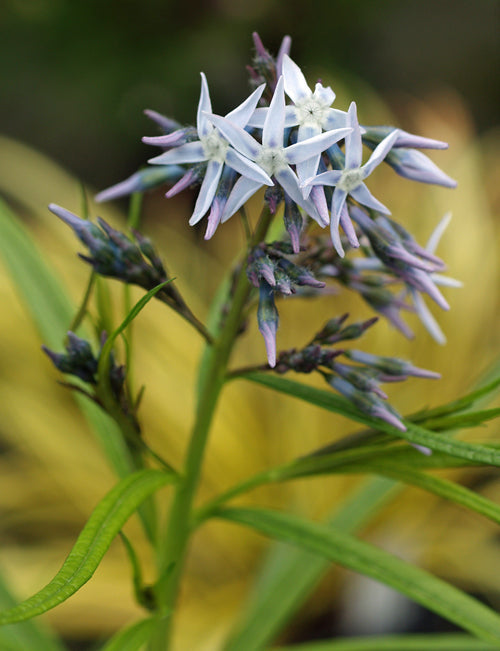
[
  {"x": 366, "y": 402},
  {"x": 166, "y": 124},
  {"x": 390, "y": 367},
  {"x": 293, "y": 223},
  {"x": 191, "y": 177},
  {"x": 174, "y": 139},
  {"x": 145, "y": 179},
  {"x": 416, "y": 166},
  {"x": 374, "y": 135},
  {"x": 268, "y": 320}
]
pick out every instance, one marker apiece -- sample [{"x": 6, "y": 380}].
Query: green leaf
[
  {"x": 290, "y": 574},
  {"x": 461, "y": 404},
  {"x": 131, "y": 638},
  {"x": 28, "y": 636},
  {"x": 339, "y": 547},
  {"x": 414, "y": 434},
  {"x": 452, "y": 642},
  {"x": 441, "y": 487},
  {"x": 103, "y": 525},
  {"x": 104, "y": 358}
]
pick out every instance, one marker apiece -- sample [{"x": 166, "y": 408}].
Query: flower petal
[
  {"x": 353, "y": 144},
  {"x": 331, "y": 177},
  {"x": 301, "y": 151},
  {"x": 335, "y": 119},
  {"x": 204, "y": 106},
  {"x": 207, "y": 191},
  {"x": 427, "y": 319},
  {"x": 365, "y": 197},
  {"x": 242, "y": 190},
  {"x": 295, "y": 83},
  {"x": 290, "y": 183},
  {"x": 191, "y": 152},
  {"x": 247, "y": 167},
  {"x": 236, "y": 136},
  {"x": 274, "y": 125},
  {"x": 242, "y": 114},
  {"x": 324, "y": 94},
  {"x": 338, "y": 202},
  {"x": 379, "y": 153}
]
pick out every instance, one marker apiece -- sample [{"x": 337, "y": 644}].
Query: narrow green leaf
[
  {"x": 28, "y": 636},
  {"x": 469, "y": 419},
  {"x": 104, "y": 359},
  {"x": 103, "y": 525},
  {"x": 414, "y": 433},
  {"x": 452, "y": 642},
  {"x": 131, "y": 638},
  {"x": 441, "y": 487},
  {"x": 461, "y": 404},
  {"x": 339, "y": 547},
  {"x": 290, "y": 574}
]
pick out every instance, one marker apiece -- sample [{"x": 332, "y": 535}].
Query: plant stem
[{"x": 174, "y": 546}]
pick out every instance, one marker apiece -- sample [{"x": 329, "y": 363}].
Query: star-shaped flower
[
  {"x": 272, "y": 156},
  {"x": 311, "y": 112},
  {"x": 350, "y": 180},
  {"x": 213, "y": 148}
]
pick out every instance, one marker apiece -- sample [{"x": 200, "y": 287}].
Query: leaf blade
[
  {"x": 339, "y": 547},
  {"x": 414, "y": 434},
  {"x": 104, "y": 523}
]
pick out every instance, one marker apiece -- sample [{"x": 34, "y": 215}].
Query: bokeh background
[{"x": 75, "y": 78}]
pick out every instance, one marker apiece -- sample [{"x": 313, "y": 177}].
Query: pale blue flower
[
  {"x": 311, "y": 112},
  {"x": 272, "y": 156},
  {"x": 350, "y": 180},
  {"x": 213, "y": 149}
]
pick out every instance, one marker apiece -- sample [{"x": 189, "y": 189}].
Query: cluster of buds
[
  {"x": 390, "y": 259},
  {"x": 113, "y": 254},
  {"x": 79, "y": 360},
  {"x": 270, "y": 270},
  {"x": 358, "y": 382}
]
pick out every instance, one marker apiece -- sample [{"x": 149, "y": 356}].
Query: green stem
[{"x": 173, "y": 551}]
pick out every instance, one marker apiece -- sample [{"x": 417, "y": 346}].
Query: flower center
[
  {"x": 215, "y": 146},
  {"x": 311, "y": 111},
  {"x": 350, "y": 179},
  {"x": 272, "y": 159}
]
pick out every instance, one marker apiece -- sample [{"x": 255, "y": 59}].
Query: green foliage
[
  {"x": 103, "y": 525},
  {"x": 339, "y": 547}
]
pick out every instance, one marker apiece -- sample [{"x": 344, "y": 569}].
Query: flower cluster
[
  {"x": 288, "y": 138},
  {"x": 294, "y": 146}
]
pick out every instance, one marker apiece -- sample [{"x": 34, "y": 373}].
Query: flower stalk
[{"x": 173, "y": 547}]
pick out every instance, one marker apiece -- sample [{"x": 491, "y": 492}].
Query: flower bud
[{"x": 268, "y": 320}]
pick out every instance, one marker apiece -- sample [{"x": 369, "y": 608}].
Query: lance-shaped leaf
[
  {"x": 414, "y": 434},
  {"x": 339, "y": 547},
  {"x": 103, "y": 525}
]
